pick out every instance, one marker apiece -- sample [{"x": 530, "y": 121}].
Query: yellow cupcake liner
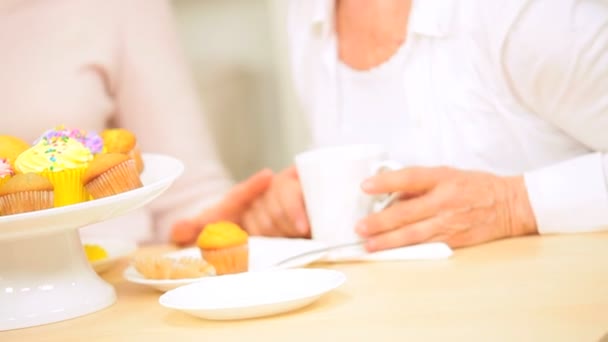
[
  {"x": 68, "y": 186},
  {"x": 118, "y": 179},
  {"x": 25, "y": 201}
]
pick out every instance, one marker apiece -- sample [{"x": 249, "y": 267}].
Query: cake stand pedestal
[{"x": 45, "y": 276}]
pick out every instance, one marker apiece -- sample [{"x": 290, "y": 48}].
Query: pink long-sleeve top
[{"x": 95, "y": 64}]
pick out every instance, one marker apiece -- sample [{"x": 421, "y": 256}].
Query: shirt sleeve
[
  {"x": 156, "y": 99},
  {"x": 556, "y": 58}
]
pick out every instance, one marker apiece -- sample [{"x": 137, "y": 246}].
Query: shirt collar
[
  {"x": 435, "y": 18},
  {"x": 323, "y": 17}
]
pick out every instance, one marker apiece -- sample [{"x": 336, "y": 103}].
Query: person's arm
[
  {"x": 556, "y": 58},
  {"x": 156, "y": 99}
]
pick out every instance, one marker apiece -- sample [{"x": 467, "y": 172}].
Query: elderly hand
[
  {"x": 232, "y": 208},
  {"x": 280, "y": 211},
  {"x": 461, "y": 208}
]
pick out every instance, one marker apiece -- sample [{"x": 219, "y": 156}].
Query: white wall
[{"x": 239, "y": 59}]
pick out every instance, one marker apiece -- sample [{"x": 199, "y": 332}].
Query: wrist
[{"x": 522, "y": 218}]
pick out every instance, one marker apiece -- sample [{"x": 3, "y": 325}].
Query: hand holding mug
[
  {"x": 460, "y": 208},
  {"x": 330, "y": 178}
]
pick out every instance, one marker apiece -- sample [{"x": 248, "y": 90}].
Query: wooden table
[{"x": 552, "y": 288}]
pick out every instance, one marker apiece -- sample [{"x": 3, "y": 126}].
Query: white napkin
[{"x": 425, "y": 251}]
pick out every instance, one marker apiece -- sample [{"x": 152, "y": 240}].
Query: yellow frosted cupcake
[
  {"x": 89, "y": 139},
  {"x": 110, "y": 174},
  {"x": 120, "y": 140},
  {"x": 63, "y": 161},
  {"x": 225, "y": 246},
  {"x": 25, "y": 192}
]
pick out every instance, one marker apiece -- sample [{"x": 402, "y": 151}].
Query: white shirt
[{"x": 506, "y": 86}]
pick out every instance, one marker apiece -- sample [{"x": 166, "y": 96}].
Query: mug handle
[{"x": 381, "y": 202}]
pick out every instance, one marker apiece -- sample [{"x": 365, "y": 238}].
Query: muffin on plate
[
  {"x": 120, "y": 140},
  {"x": 63, "y": 161},
  {"x": 24, "y": 193},
  {"x": 225, "y": 246},
  {"x": 172, "y": 268},
  {"x": 110, "y": 174}
]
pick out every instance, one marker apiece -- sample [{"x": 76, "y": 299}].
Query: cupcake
[
  {"x": 110, "y": 174},
  {"x": 6, "y": 171},
  {"x": 11, "y": 147},
  {"x": 225, "y": 246},
  {"x": 63, "y": 161},
  {"x": 26, "y": 192},
  {"x": 120, "y": 140},
  {"x": 89, "y": 139}
]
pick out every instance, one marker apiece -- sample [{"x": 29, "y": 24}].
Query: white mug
[{"x": 331, "y": 180}]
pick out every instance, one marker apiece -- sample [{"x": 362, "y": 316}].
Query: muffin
[
  {"x": 170, "y": 268},
  {"x": 25, "y": 192},
  {"x": 11, "y": 147},
  {"x": 110, "y": 174},
  {"x": 89, "y": 139},
  {"x": 6, "y": 171},
  {"x": 225, "y": 246},
  {"x": 63, "y": 161},
  {"x": 120, "y": 140}
]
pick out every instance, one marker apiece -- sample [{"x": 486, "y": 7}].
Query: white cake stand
[{"x": 44, "y": 274}]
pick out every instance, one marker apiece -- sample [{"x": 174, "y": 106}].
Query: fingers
[
  {"x": 278, "y": 215},
  {"x": 291, "y": 200},
  {"x": 280, "y": 212},
  {"x": 184, "y": 232},
  {"x": 237, "y": 200},
  {"x": 291, "y": 172},
  {"x": 400, "y": 214},
  {"x": 270, "y": 218},
  {"x": 414, "y": 180},
  {"x": 257, "y": 221},
  {"x": 415, "y": 233},
  {"x": 246, "y": 192}
]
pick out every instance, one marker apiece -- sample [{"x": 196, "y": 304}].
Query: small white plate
[
  {"x": 116, "y": 249},
  {"x": 252, "y": 294},
  {"x": 131, "y": 275},
  {"x": 264, "y": 253}
]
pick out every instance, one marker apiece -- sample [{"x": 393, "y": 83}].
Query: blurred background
[{"x": 238, "y": 54}]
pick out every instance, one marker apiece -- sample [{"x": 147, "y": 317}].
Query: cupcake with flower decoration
[
  {"x": 89, "y": 139},
  {"x": 63, "y": 161},
  {"x": 6, "y": 171}
]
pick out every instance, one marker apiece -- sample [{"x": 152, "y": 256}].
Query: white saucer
[
  {"x": 252, "y": 294},
  {"x": 264, "y": 253},
  {"x": 131, "y": 275},
  {"x": 116, "y": 249}
]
